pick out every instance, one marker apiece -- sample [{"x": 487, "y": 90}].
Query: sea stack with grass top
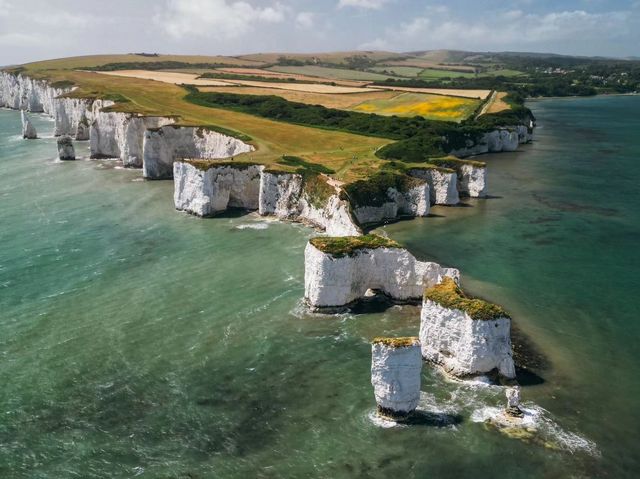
[
  {"x": 396, "y": 364},
  {"x": 28, "y": 130},
  {"x": 466, "y": 336},
  {"x": 340, "y": 271},
  {"x": 66, "y": 152}
]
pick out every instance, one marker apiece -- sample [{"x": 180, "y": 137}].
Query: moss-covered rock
[
  {"x": 449, "y": 295},
  {"x": 402, "y": 342},
  {"x": 339, "y": 246}
]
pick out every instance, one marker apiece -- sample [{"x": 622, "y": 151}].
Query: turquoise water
[{"x": 139, "y": 342}]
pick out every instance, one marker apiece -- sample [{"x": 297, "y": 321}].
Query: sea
[{"x": 137, "y": 341}]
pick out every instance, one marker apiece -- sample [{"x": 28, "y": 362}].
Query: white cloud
[
  {"x": 507, "y": 31},
  {"x": 215, "y": 18},
  {"x": 366, "y": 4},
  {"x": 305, "y": 20}
]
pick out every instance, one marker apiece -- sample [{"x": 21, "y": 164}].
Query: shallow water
[{"x": 137, "y": 341}]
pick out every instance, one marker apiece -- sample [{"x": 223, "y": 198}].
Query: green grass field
[
  {"x": 398, "y": 71},
  {"x": 335, "y": 73}
]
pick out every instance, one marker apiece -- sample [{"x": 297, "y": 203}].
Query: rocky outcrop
[
  {"x": 341, "y": 271},
  {"x": 496, "y": 141},
  {"x": 120, "y": 135},
  {"x": 466, "y": 336},
  {"x": 207, "y": 189},
  {"x": 20, "y": 92},
  {"x": 66, "y": 152},
  {"x": 413, "y": 202},
  {"x": 472, "y": 180},
  {"x": 308, "y": 199},
  {"x": 163, "y": 145},
  {"x": 396, "y": 364},
  {"x": 443, "y": 184},
  {"x": 28, "y": 130},
  {"x": 513, "y": 402}
]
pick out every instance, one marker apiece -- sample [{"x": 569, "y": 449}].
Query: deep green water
[{"x": 137, "y": 341}]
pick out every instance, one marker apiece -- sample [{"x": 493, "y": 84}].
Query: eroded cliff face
[
  {"x": 472, "y": 181},
  {"x": 464, "y": 346},
  {"x": 210, "y": 191},
  {"x": 120, "y": 135},
  {"x": 335, "y": 282},
  {"x": 288, "y": 196},
  {"x": 206, "y": 190},
  {"x": 496, "y": 141},
  {"x": 20, "y": 92},
  {"x": 163, "y": 145},
  {"x": 443, "y": 185},
  {"x": 413, "y": 202}
]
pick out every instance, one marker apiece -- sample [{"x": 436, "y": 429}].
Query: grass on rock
[
  {"x": 449, "y": 295},
  {"x": 340, "y": 246}
]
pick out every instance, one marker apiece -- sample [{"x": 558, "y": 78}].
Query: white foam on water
[
  {"x": 263, "y": 225},
  {"x": 382, "y": 422},
  {"x": 538, "y": 420}
]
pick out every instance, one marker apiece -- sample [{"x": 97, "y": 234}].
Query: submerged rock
[
  {"x": 466, "y": 336},
  {"x": 340, "y": 271},
  {"x": 396, "y": 364},
  {"x": 66, "y": 152},
  {"x": 28, "y": 130}
]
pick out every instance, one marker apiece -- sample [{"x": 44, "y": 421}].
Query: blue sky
[{"x": 38, "y": 29}]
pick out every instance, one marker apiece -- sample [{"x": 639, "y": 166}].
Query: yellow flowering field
[{"x": 435, "y": 107}]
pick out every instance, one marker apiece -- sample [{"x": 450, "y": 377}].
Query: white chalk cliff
[
  {"x": 336, "y": 281},
  {"x": 413, "y": 202},
  {"x": 395, "y": 375},
  {"x": 464, "y": 345},
  {"x": 163, "y": 145},
  {"x": 28, "y": 130},
  {"x": 443, "y": 185},
  {"x": 207, "y": 191}
]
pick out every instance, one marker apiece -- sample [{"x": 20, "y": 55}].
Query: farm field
[
  {"x": 337, "y": 58},
  {"x": 422, "y": 64},
  {"x": 496, "y": 103},
  {"x": 192, "y": 79},
  {"x": 332, "y": 73},
  {"x": 434, "y": 107},
  {"x": 351, "y": 156},
  {"x": 381, "y": 102},
  {"x": 432, "y": 73},
  {"x": 344, "y": 101},
  {"x": 403, "y": 71},
  {"x": 478, "y": 94},
  {"x": 273, "y": 74},
  {"x": 165, "y": 77}
]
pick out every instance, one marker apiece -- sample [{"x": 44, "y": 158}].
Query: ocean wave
[
  {"x": 263, "y": 225},
  {"x": 536, "y": 426}
]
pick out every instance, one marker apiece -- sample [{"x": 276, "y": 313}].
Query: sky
[{"x": 40, "y": 29}]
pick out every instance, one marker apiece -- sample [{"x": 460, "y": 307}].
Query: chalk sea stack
[
  {"x": 28, "y": 130},
  {"x": 396, "y": 364},
  {"x": 66, "y": 152},
  {"x": 466, "y": 336}
]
